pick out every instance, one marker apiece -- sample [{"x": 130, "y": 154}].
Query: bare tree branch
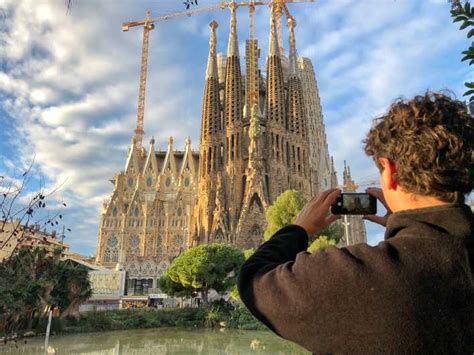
[{"x": 20, "y": 215}]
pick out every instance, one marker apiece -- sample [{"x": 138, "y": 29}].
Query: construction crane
[
  {"x": 278, "y": 6},
  {"x": 148, "y": 25}
]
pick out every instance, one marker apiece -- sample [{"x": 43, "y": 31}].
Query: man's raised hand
[
  {"x": 314, "y": 215},
  {"x": 378, "y": 194}
]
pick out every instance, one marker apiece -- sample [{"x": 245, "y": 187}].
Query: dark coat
[{"x": 412, "y": 293}]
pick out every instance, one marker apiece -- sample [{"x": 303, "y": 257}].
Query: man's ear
[{"x": 388, "y": 169}]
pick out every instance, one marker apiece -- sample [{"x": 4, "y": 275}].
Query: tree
[
  {"x": 202, "y": 268},
  {"x": 187, "y": 4},
  {"x": 72, "y": 287},
  {"x": 465, "y": 15},
  {"x": 234, "y": 292},
  {"x": 322, "y": 242},
  {"x": 283, "y": 211},
  {"x": 333, "y": 232},
  {"x": 33, "y": 280},
  {"x": 175, "y": 289}
]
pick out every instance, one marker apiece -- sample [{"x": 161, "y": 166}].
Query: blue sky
[{"x": 69, "y": 83}]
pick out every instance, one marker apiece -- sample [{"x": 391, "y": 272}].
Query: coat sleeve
[
  {"x": 281, "y": 248},
  {"x": 301, "y": 295}
]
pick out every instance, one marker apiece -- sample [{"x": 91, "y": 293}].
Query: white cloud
[{"x": 71, "y": 82}]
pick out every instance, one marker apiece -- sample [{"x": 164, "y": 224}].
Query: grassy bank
[{"x": 215, "y": 316}]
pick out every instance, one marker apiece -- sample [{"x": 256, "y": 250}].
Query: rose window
[{"x": 178, "y": 241}]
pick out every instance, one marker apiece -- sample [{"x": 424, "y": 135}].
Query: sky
[{"x": 69, "y": 83}]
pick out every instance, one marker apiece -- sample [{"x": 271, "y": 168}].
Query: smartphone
[{"x": 355, "y": 204}]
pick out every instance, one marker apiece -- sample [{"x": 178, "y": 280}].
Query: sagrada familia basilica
[{"x": 260, "y": 136}]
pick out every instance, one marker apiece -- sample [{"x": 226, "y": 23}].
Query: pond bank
[
  {"x": 162, "y": 341},
  {"x": 101, "y": 321}
]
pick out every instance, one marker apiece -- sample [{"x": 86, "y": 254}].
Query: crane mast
[
  {"x": 251, "y": 6},
  {"x": 147, "y": 27}
]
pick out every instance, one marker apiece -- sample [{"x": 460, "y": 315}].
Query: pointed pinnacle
[
  {"x": 232, "y": 46},
  {"x": 273, "y": 47},
  {"x": 211, "y": 71}
]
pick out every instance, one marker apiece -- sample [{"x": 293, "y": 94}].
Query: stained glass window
[
  {"x": 134, "y": 243},
  {"x": 112, "y": 242}
]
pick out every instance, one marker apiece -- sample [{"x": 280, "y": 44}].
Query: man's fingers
[
  {"x": 325, "y": 195},
  {"x": 332, "y": 218},
  {"x": 331, "y": 197},
  {"x": 314, "y": 198},
  {"x": 378, "y": 194},
  {"x": 375, "y": 191}
]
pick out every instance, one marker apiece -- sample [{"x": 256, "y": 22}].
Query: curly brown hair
[{"x": 430, "y": 140}]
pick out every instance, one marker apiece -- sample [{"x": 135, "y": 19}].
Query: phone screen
[{"x": 355, "y": 203}]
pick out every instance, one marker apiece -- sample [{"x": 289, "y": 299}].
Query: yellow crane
[
  {"x": 278, "y": 6},
  {"x": 148, "y": 25}
]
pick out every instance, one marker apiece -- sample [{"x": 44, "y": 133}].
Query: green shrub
[
  {"x": 213, "y": 318},
  {"x": 223, "y": 307},
  {"x": 136, "y": 320},
  {"x": 241, "y": 318},
  {"x": 97, "y": 321}
]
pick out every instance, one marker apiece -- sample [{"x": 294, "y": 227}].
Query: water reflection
[{"x": 162, "y": 341}]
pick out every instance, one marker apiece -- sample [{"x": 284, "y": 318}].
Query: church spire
[
  {"x": 273, "y": 46},
  {"x": 233, "y": 78},
  {"x": 275, "y": 102},
  {"x": 252, "y": 54},
  {"x": 210, "y": 118},
  {"x": 292, "y": 43},
  {"x": 233, "y": 46},
  {"x": 211, "y": 71},
  {"x": 296, "y": 122}
]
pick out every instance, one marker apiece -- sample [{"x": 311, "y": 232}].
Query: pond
[{"x": 161, "y": 341}]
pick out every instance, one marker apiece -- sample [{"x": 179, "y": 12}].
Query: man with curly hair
[{"x": 413, "y": 293}]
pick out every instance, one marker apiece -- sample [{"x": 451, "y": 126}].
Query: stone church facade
[{"x": 259, "y": 137}]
